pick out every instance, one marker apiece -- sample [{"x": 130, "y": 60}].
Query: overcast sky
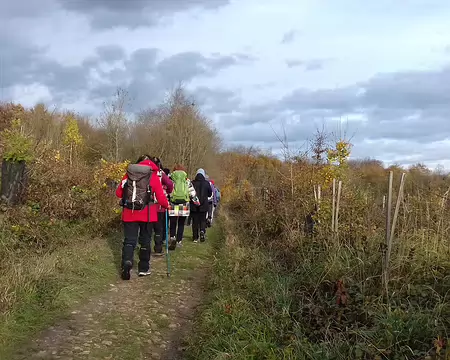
[{"x": 380, "y": 68}]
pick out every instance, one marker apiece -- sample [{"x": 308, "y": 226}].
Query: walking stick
[{"x": 167, "y": 243}]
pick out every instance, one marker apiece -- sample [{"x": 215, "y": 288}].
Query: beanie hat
[{"x": 201, "y": 171}]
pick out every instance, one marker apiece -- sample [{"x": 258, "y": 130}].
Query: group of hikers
[{"x": 158, "y": 202}]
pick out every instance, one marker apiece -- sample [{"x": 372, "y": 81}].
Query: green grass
[
  {"x": 44, "y": 286},
  {"x": 258, "y": 308},
  {"x": 47, "y": 287}
]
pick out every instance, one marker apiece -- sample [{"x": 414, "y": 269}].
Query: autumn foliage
[
  {"x": 74, "y": 164},
  {"x": 336, "y": 296}
]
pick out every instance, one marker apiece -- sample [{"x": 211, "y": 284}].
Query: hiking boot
[
  {"x": 126, "y": 270},
  {"x": 173, "y": 243},
  {"x": 179, "y": 244},
  {"x": 202, "y": 236},
  {"x": 144, "y": 273},
  {"x": 208, "y": 222}
]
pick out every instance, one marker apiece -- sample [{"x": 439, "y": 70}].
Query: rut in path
[{"x": 144, "y": 318}]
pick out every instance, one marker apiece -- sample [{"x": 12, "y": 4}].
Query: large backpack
[
  {"x": 137, "y": 193},
  {"x": 217, "y": 194},
  {"x": 180, "y": 194}
]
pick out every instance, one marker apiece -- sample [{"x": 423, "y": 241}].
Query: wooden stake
[
  {"x": 394, "y": 220},
  {"x": 333, "y": 207},
  {"x": 388, "y": 232},
  {"x": 337, "y": 206}
]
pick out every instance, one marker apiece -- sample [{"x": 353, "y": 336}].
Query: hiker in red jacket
[{"x": 139, "y": 210}]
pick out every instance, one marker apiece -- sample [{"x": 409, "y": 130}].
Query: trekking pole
[{"x": 167, "y": 243}]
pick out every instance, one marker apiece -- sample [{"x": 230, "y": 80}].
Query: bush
[{"x": 319, "y": 295}]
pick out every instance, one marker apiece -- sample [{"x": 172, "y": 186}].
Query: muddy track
[{"x": 144, "y": 318}]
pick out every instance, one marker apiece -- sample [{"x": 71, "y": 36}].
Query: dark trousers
[
  {"x": 159, "y": 240},
  {"x": 210, "y": 211},
  {"x": 177, "y": 227},
  {"x": 198, "y": 223},
  {"x": 134, "y": 232}
]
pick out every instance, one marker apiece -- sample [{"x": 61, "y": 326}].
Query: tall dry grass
[{"x": 320, "y": 295}]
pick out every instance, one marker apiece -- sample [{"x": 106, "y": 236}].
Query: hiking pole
[{"x": 167, "y": 243}]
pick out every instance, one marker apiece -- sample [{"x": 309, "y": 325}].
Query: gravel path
[{"x": 144, "y": 318}]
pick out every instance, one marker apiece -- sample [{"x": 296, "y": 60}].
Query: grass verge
[
  {"x": 259, "y": 309},
  {"x": 38, "y": 287},
  {"x": 46, "y": 286}
]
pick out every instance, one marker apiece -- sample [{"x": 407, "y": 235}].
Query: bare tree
[
  {"x": 177, "y": 132},
  {"x": 115, "y": 123},
  {"x": 319, "y": 145}
]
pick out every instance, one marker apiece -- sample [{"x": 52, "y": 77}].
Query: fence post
[
  {"x": 333, "y": 207},
  {"x": 14, "y": 182},
  {"x": 338, "y": 200},
  {"x": 388, "y": 233}
]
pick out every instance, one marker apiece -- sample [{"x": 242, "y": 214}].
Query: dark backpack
[{"x": 137, "y": 193}]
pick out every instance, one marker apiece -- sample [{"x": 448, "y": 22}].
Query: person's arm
[
  {"x": 119, "y": 190},
  {"x": 157, "y": 188},
  {"x": 209, "y": 189},
  {"x": 213, "y": 188},
  {"x": 192, "y": 193},
  {"x": 165, "y": 180}
]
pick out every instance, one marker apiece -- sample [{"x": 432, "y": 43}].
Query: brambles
[
  {"x": 282, "y": 288},
  {"x": 17, "y": 144}
]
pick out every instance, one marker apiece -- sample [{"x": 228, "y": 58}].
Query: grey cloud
[
  {"x": 110, "y": 53},
  {"x": 105, "y": 14},
  {"x": 289, "y": 37},
  {"x": 185, "y": 66},
  {"x": 142, "y": 61},
  {"x": 244, "y": 58},
  {"x": 18, "y": 60},
  {"x": 338, "y": 101},
  {"x": 294, "y": 63},
  {"x": 24, "y": 8},
  {"x": 147, "y": 79},
  {"x": 308, "y": 65},
  {"x": 409, "y": 90},
  {"x": 405, "y": 152},
  {"x": 412, "y": 106},
  {"x": 142, "y": 73},
  {"x": 107, "y": 54},
  {"x": 220, "y": 101}
]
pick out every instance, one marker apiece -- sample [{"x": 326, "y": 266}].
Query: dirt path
[{"x": 144, "y": 318}]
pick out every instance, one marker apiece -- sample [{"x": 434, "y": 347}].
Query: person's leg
[
  {"x": 145, "y": 239},
  {"x": 158, "y": 230},
  {"x": 213, "y": 209},
  {"x": 189, "y": 220},
  {"x": 209, "y": 215},
  {"x": 202, "y": 226},
  {"x": 196, "y": 224},
  {"x": 162, "y": 226},
  {"x": 173, "y": 226},
  {"x": 131, "y": 231},
  {"x": 180, "y": 230},
  {"x": 173, "y": 229}
]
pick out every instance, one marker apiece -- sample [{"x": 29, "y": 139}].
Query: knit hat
[{"x": 201, "y": 171}]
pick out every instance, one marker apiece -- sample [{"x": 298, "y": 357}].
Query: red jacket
[
  {"x": 167, "y": 185},
  {"x": 146, "y": 214}
]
